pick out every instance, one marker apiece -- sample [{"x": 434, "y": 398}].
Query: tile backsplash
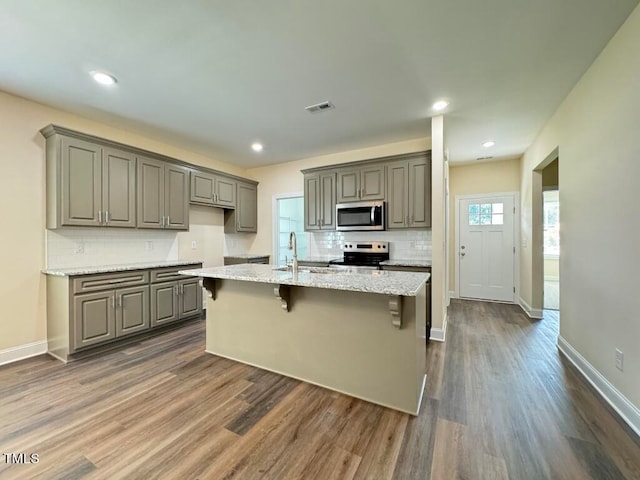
[
  {"x": 404, "y": 244},
  {"x": 85, "y": 247}
]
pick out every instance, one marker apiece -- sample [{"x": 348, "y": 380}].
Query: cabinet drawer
[
  {"x": 94, "y": 283},
  {"x": 170, "y": 274},
  {"x": 261, "y": 260}
]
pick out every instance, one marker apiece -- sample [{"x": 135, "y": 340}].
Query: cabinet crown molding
[
  {"x": 52, "y": 129},
  {"x": 369, "y": 161}
]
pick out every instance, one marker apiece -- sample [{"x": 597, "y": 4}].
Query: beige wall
[
  {"x": 596, "y": 131},
  {"x": 478, "y": 178},
  {"x": 287, "y": 178},
  {"x": 22, "y": 189}
]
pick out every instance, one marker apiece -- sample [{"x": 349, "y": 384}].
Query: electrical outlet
[
  {"x": 619, "y": 360},
  {"x": 149, "y": 245},
  {"x": 79, "y": 247},
  {"x": 194, "y": 245}
]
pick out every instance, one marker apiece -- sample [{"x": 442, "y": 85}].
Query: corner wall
[
  {"x": 596, "y": 131},
  {"x": 22, "y": 194}
]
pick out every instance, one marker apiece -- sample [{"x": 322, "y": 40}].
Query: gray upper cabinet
[
  {"x": 214, "y": 190},
  {"x": 89, "y": 185},
  {"x": 163, "y": 195},
  {"x": 118, "y": 188},
  {"x": 245, "y": 216},
  {"x": 409, "y": 193},
  {"x": 360, "y": 183},
  {"x": 320, "y": 201}
]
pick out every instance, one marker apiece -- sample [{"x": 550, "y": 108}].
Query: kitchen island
[{"x": 350, "y": 331}]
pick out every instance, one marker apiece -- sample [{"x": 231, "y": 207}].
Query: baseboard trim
[
  {"x": 627, "y": 410},
  {"x": 439, "y": 334},
  {"x": 22, "y": 352},
  {"x": 531, "y": 312}
]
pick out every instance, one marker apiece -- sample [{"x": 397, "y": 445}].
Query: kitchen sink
[{"x": 323, "y": 270}]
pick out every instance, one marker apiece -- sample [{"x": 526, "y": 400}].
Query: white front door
[{"x": 486, "y": 248}]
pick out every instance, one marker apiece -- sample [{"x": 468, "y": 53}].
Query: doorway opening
[
  {"x": 288, "y": 213},
  {"x": 545, "y": 261}
]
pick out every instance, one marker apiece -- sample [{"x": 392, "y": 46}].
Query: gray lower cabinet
[
  {"x": 409, "y": 193},
  {"x": 244, "y": 218},
  {"x": 89, "y": 310},
  {"x": 173, "y": 300},
  {"x": 320, "y": 201},
  {"x": 162, "y": 195},
  {"x": 213, "y": 190},
  {"x": 89, "y": 185},
  {"x": 102, "y": 316},
  {"x": 261, "y": 259}
]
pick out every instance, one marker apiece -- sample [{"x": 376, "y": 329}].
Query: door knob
[
  {"x": 462, "y": 247},
  {"x": 462, "y": 254}
]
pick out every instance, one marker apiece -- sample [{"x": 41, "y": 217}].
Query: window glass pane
[
  {"x": 474, "y": 219},
  {"x": 474, "y": 208},
  {"x": 551, "y": 220},
  {"x": 497, "y": 208},
  {"x": 485, "y": 208},
  {"x": 485, "y": 219},
  {"x": 290, "y": 218},
  {"x": 497, "y": 219}
]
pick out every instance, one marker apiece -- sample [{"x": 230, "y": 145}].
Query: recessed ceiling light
[
  {"x": 488, "y": 144},
  {"x": 103, "y": 78},
  {"x": 440, "y": 105},
  {"x": 256, "y": 147}
]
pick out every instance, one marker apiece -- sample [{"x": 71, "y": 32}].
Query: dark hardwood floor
[{"x": 500, "y": 403}]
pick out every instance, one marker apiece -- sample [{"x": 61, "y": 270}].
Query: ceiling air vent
[{"x": 319, "y": 107}]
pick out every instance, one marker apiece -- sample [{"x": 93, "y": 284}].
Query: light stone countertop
[
  {"x": 67, "y": 272},
  {"x": 407, "y": 263},
  {"x": 369, "y": 281}
]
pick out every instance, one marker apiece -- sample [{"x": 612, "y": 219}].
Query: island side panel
[{"x": 341, "y": 340}]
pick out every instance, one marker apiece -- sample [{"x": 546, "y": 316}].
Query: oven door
[{"x": 360, "y": 216}]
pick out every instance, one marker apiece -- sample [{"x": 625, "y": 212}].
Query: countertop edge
[{"x": 77, "y": 271}]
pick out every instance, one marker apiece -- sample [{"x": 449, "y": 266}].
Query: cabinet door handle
[
  {"x": 113, "y": 301},
  {"x": 407, "y": 220},
  {"x": 106, "y": 217},
  {"x": 181, "y": 289},
  {"x": 175, "y": 290},
  {"x": 119, "y": 300},
  {"x": 99, "y": 216},
  {"x": 168, "y": 221}
]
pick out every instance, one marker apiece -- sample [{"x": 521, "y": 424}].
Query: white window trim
[{"x": 275, "y": 226}]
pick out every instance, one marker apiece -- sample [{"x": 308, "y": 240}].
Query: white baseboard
[
  {"x": 21, "y": 352},
  {"x": 439, "y": 334},
  {"x": 627, "y": 410},
  {"x": 532, "y": 312}
]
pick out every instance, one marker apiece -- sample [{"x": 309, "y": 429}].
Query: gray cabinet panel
[
  {"x": 164, "y": 303},
  {"x": 419, "y": 193},
  {"x": 190, "y": 297},
  {"x": 348, "y": 185},
  {"x": 327, "y": 202},
  {"x": 92, "y": 283},
  {"x": 245, "y": 217},
  {"x": 132, "y": 310},
  {"x": 118, "y": 188},
  {"x": 225, "y": 192},
  {"x": 397, "y": 210},
  {"x": 150, "y": 204},
  {"x": 372, "y": 182},
  {"x": 176, "y": 203},
  {"x": 93, "y": 318},
  {"x": 81, "y": 183},
  {"x": 311, "y": 202},
  {"x": 320, "y": 201},
  {"x": 202, "y": 188}
]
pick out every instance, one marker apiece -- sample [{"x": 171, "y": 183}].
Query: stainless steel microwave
[{"x": 360, "y": 216}]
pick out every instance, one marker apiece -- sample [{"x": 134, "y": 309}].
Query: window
[
  {"x": 486, "y": 214},
  {"x": 551, "y": 223},
  {"x": 289, "y": 217}
]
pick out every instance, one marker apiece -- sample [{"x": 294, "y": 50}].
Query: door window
[{"x": 486, "y": 214}]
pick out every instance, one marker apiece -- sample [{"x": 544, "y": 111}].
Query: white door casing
[{"x": 485, "y": 246}]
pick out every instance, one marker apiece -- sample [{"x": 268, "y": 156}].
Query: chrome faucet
[{"x": 293, "y": 246}]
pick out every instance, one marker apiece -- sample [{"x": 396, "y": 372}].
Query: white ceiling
[{"x": 213, "y": 76}]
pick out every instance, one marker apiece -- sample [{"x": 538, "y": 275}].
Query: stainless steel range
[{"x": 363, "y": 254}]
